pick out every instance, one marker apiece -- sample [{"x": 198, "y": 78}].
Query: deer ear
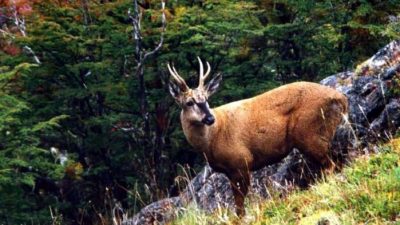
[
  {"x": 213, "y": 85},
  {"x": 174, "y": 90}
]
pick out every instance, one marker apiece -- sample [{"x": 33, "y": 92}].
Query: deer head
[{"x": 194, "y": 101}]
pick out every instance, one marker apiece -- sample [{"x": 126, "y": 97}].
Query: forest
[{"x": 87, "y": 124}]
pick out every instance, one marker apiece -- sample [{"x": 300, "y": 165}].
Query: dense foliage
[{"x": 81, "y": 135}]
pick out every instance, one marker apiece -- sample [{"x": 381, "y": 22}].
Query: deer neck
[{"x": 199, "y": 135}]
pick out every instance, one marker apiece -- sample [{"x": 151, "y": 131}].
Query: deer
[{"x": 248, "y": 134}]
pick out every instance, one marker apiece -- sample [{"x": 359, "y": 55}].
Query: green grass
[{"x": 365, "y": 192}]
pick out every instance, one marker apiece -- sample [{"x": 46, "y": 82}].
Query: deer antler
[
  {"x": 202, "y": 76},
  {"x": 179, "y": 80}
]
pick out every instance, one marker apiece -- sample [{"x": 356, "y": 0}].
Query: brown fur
[
  {"x": 262, "y": 130},
  {"x": 252, "y": 133}
]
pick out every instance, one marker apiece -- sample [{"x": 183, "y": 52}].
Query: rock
[
  {"x": 210, "y": 190},
  {"x": 389, "y": 120},
  {"x": 374, "y": 114},
  {"x": 159, "y": 212}
]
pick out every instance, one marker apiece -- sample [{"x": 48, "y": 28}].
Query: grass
[{"x": 365, "y": 192}]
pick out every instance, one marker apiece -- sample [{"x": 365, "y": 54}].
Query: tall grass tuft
[{"x": 365, "y": 192}]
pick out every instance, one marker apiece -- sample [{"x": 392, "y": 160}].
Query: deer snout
[{"x": 208, "y": 120}]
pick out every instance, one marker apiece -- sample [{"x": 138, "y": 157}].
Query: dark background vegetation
[{"x": 85, "y": 101}]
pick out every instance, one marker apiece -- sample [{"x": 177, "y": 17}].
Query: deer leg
[
  {"x": 320, "y": 152},
  {"x": 240, "y": 182},
  {"x": 317, "y": 148}
]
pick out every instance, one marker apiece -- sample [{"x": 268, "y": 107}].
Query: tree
[
  {"x": 153, "y": 133},
  {"x": 23, "y": 158},
  {"x": 121, "y": 132}
]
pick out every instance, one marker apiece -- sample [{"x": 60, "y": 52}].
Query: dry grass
[{"x": 366, "y": 192}]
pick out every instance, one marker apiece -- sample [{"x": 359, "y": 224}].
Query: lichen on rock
[{"x": 374, "y": 115}]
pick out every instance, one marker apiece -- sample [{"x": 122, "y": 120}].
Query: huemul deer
[{"x": 246, "y": 135}]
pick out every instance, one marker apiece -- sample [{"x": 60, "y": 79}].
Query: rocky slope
[{"x": 374, "y": 115}]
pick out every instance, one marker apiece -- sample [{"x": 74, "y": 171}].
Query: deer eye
[{"x": 190, "y": 103}]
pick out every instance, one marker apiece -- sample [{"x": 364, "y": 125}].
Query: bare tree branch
[
  {"x": 19, "y": 22},
  {"x": 164, "y": 23},
  {"x": 30, "y": 51},
  {"x": 86, "y": 15},
  {"x": 7, "y": 33},
  {"x": 140, "y": 54},
  {"x": 152, "y": 147}
]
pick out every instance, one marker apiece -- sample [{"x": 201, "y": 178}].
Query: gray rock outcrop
[{"x": 374, "y": 115}]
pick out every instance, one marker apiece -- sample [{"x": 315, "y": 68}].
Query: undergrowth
[{"x": 365, "y": 192}]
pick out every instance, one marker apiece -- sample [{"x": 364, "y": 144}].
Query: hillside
[
  {"x": 373, "y": 118},
  {"x": 89, "y": 133},
  {"x": 365, "y": 192}
]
